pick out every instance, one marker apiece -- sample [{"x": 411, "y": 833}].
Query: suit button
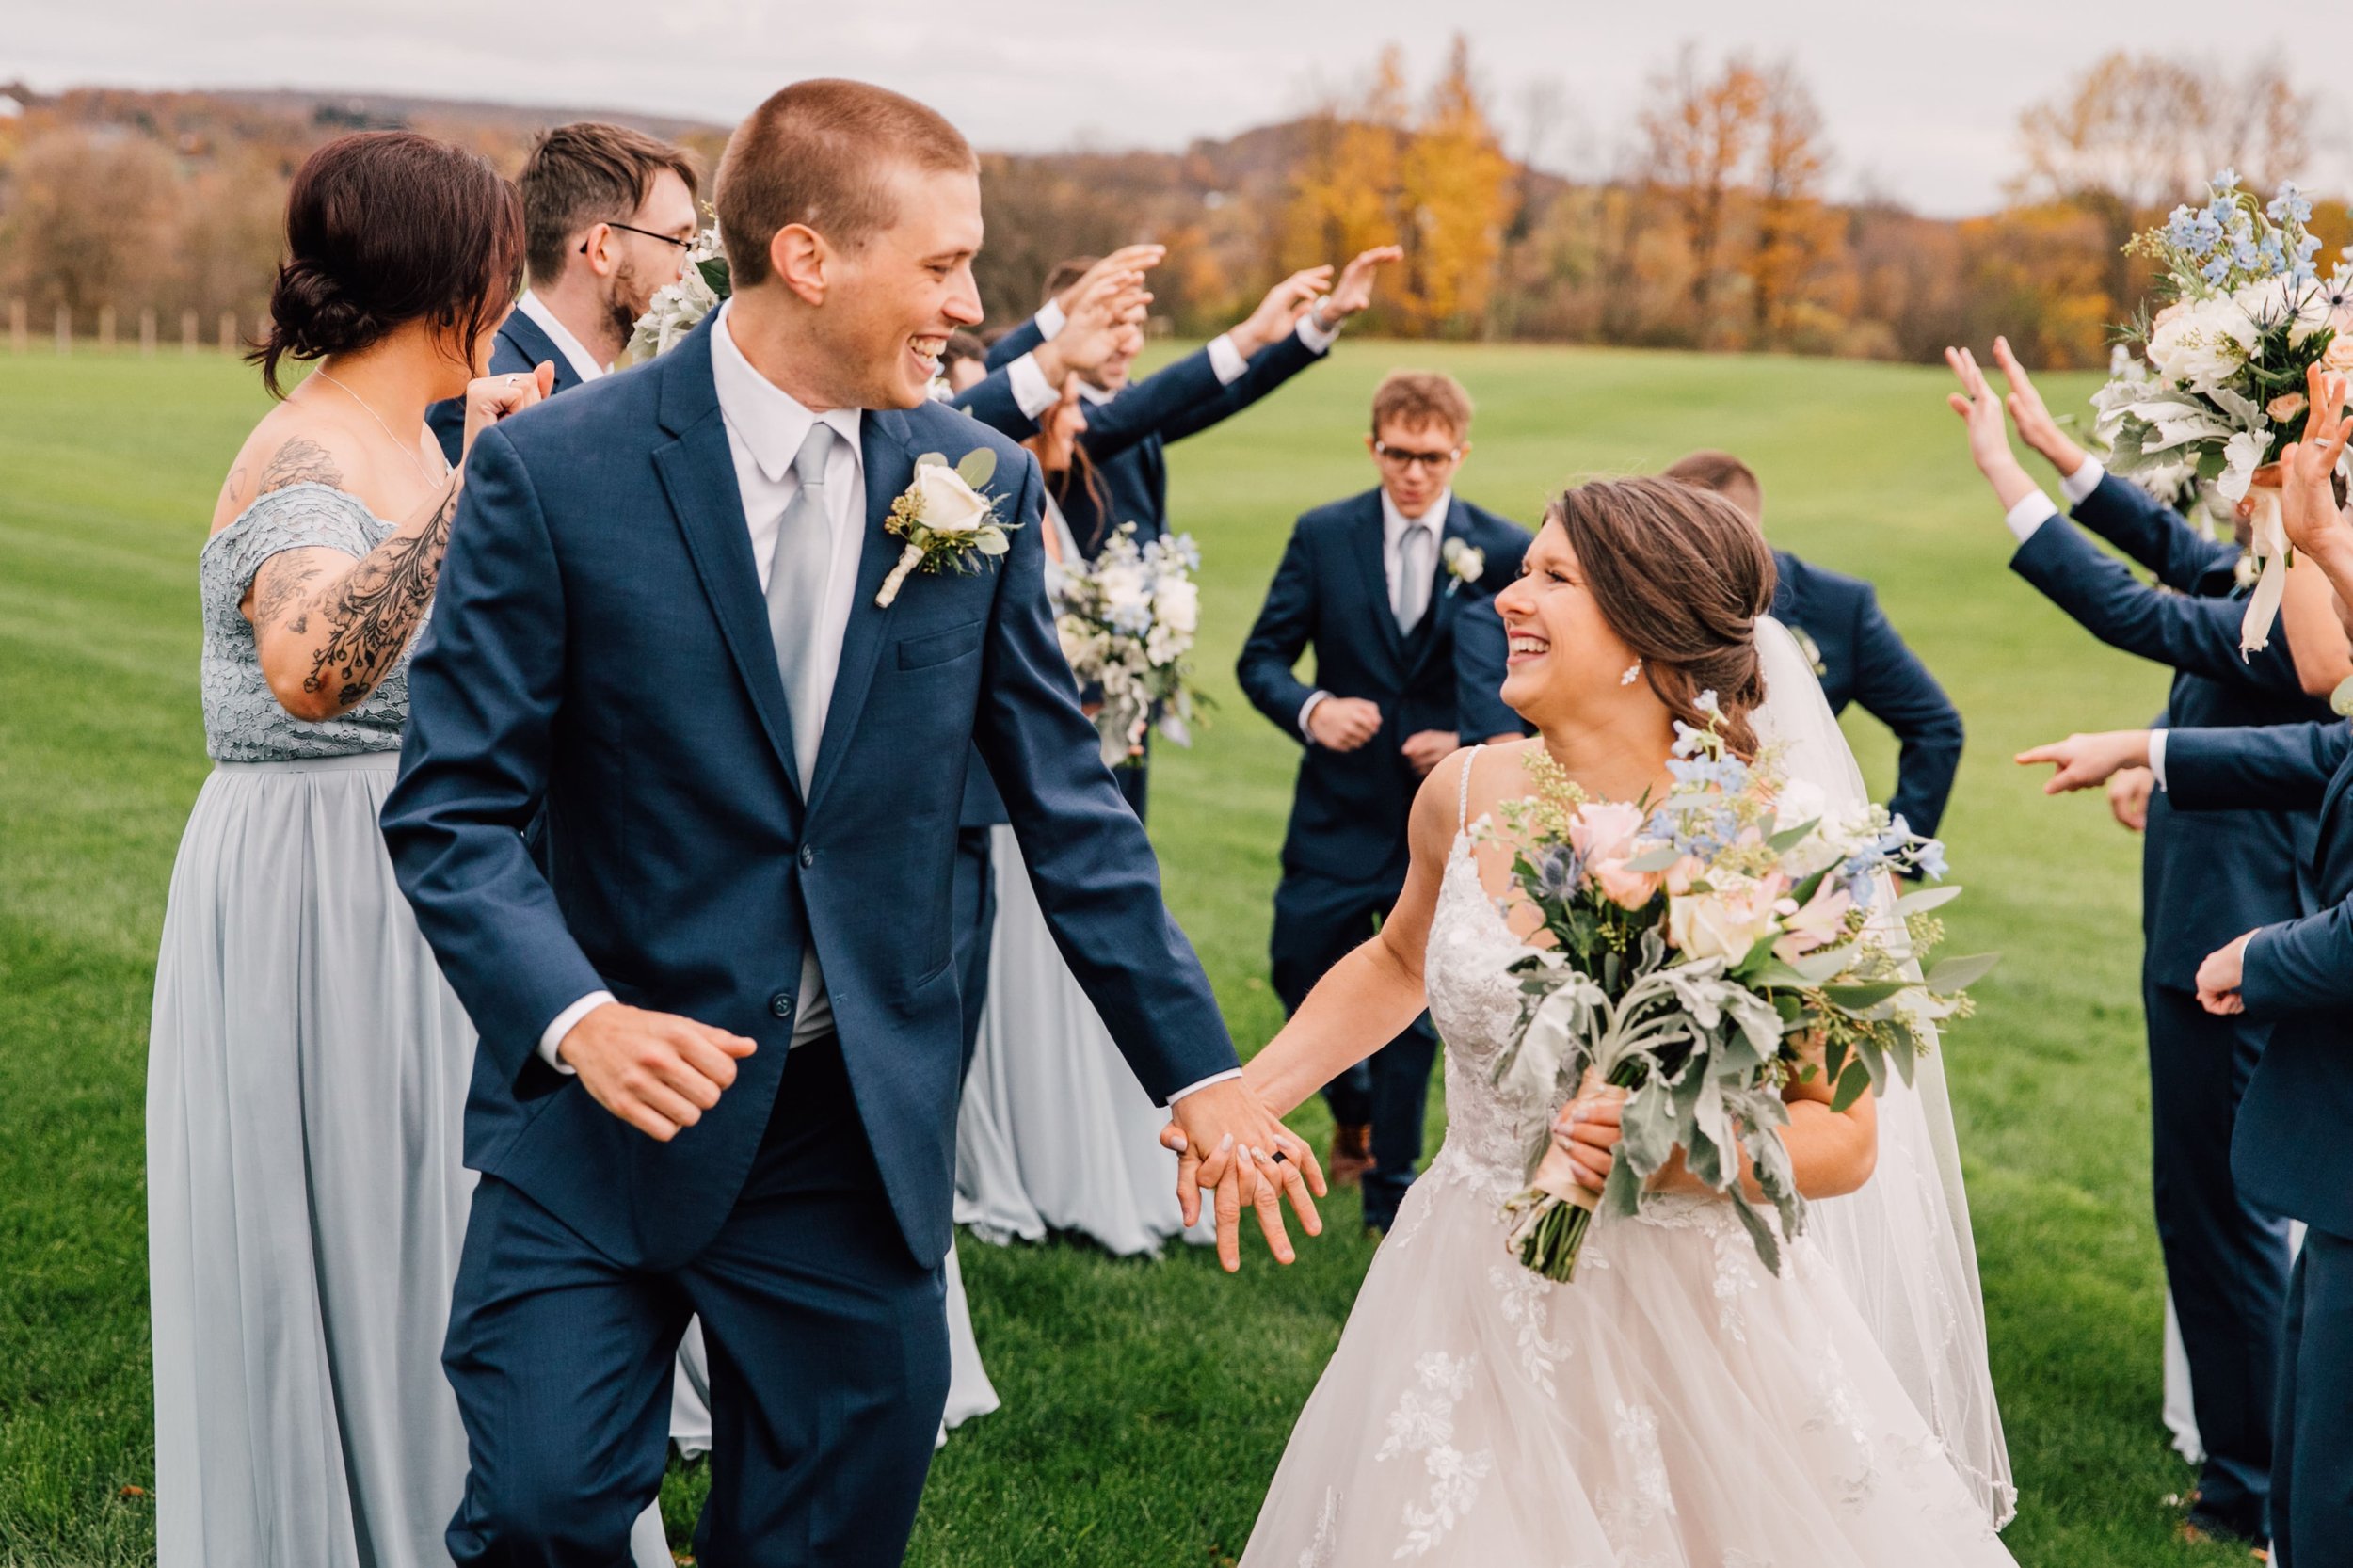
[
  {"x": 782, "y": 1004},
  {"x": 808, "y": 856}
]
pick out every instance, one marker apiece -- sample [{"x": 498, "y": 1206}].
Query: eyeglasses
[
  {"x": 667, "y": 239},
  {"x": 1397, "y": 457}
]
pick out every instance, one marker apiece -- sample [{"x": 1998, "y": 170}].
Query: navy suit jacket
[
  {"x": 2210, "y": 876},
  {"x": 599, "y": 643},
  {"x": 1350, "y": 809},
  {"x": 2289, "y": 1151},
  {"x": 521, "y": 345},
  {"x": 1862, "y": 660},
  {"x": 1481, "y": 659}
]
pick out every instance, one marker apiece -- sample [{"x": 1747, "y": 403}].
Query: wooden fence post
[
  {"x": 20, "y": 329},
  {"x": 65, "y": 330},
  {"x": 147, "y": 333},
  {"x": 228, "y": 331},
  {"x": 189, "y": 331},
  {"x": 106, "y": 328}
]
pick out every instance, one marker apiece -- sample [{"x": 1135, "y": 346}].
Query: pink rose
[
  {"x": 2285, "y": 407},
  {"x": 1683, "y": 873},
  {"x": 1604, "y": 830},
  {"x": 1627, "y": 889}
]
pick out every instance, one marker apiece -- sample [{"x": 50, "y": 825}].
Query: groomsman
[
  {"x": 2207, "y": 876},
  {"x": 1858, "y": 655},
  {"x": 608, "y": 217},
  {"x": 1374, "y": 584}
]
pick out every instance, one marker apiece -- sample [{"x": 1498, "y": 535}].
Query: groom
[{"x": 720, "y": 1036}]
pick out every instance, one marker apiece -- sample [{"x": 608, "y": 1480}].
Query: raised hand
[
  {"x": 1989, "y": 435},
  {"x": 1353, "y": 292},
  {"x": 2308, "y": 499},
  {"x": 1128, "y": 258},
  {"x": 1104, "y": 315},
  {"x": 656, "y": 1071},
  {"x": 2036, "y": 427},
  {"x": 1280, "y": 310},
  {"x": 1343, "y": 723},
  {"x": 2085, "y": 760},
  {"x": 492, "y": 398},
  {"x": 1227, "y": 1141}
]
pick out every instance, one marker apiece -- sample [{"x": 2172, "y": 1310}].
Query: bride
[{"x": 1676, "y": 1404}]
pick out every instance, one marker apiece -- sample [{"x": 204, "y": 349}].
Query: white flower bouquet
[
  {"x": 678, "y": 308},
  {"x": 2219, "y": 389},
  {"x": 1127, "y": 620},
  {"x": 1697, "y": 954}
]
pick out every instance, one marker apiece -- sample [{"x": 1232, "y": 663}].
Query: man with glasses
[
  {"x": 608, "y": 217},
  {"x": 1376, "y": 585}
]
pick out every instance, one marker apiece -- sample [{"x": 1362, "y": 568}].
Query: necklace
[{"x": 409, "y": 451}]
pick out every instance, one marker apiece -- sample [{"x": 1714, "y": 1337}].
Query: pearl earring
[{"x": 1633, "y": 673}]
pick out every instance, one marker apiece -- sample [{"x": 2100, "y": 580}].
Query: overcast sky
[{"x": 1922, "y": 101}]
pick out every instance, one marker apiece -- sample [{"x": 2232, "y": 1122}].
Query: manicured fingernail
[{"x": 1226, "y": 1142}]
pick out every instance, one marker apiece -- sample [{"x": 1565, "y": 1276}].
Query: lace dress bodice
[
  {"x": 1475, "y": 1001},
  {"x": 244, "y": 721}
]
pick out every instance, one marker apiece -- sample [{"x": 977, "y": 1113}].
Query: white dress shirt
[
  {"x": 1033, "y": 394},
  {"x": 575, "y": 352},
  {"x": 2036, "y": 509},
  {"x": 766, "y": 426},
  {"x": 1394, "y": 524}
]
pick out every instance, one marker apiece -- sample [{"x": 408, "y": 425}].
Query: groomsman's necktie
[
  {"x": 796, "y": 595},
  {"x": 1413, "y": 574}
]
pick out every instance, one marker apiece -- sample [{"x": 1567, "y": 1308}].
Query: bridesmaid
[{"x": 307, "y": 1066}]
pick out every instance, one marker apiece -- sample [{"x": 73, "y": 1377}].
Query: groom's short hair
[
  {"x": 820, "y": 153},
  {"x": 1725, "y": 474}
]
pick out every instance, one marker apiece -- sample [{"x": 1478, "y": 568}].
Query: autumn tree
[
  {"x": 1346, "y": 189},
  {"x": 89, "y": 221},
  {"x": 1456, "y": 190},
  {"x": 1795, "y": 228},
  {"x": 1699, "y": 134}
]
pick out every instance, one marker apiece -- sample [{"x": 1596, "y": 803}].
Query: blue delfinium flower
[{"x": 2290, "y": 206}]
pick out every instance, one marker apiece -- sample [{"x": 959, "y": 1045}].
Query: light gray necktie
[
  {"x": 1414, "y": 572},
  {"x": 796, "y": 596}
]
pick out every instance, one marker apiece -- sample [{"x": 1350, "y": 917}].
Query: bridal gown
[{"x": 1676, "y": 1406}]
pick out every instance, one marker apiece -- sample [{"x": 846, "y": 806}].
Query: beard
[{"x": 625, "y": 299}]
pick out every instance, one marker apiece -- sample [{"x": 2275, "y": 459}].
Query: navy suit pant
[
  {"x": 828, "y": 1364},
  {"x": 975, "y": 916},
  {"x": 1317, "y": 923},
  {"x": 2311, "y": 1486},
  {"x": 2225, "y": 1259}
]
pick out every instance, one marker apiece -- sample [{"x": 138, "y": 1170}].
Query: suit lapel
[
  {"x": 889, "y": 468},
  {"x": 531, "y": 342},
  {"x": 1369, "y": 565},
  {"x": 1441, "y": 611},
  {"x": 698, "y": 473}
]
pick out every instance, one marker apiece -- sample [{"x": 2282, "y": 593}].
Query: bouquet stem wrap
[
  {"x": 2267, "y": 543},
  {"x": 1549, "y": 1217}
]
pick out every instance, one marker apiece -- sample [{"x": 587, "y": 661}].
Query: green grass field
[{"x": 1146, "y": 1402}]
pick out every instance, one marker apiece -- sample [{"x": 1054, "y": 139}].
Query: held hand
[
  {"x": 1587, "y": 1130},
  {"x": 2128, "y": 797},
  {"x": 1344, "y": 723},
  {"x": 2308, "y": 500},
  {"x": 2221, "y": 977},
  {"x": 1128, "y": 258},
  {"x": 2036, "y": 427},
  {"x": 1280, "y": 310},
  {"x": 1427, "y": 749},
  {"x": 1100, "y": 315},
  {"x": 1353, "y": 292},
  {"x": 656, "y": 1071},
  {"x": 1227, "y": 1140},
  {"x": 2087, "y": 760},
  {"x": 496, "y": 397},
  {"x": 1989, "y": 436}
]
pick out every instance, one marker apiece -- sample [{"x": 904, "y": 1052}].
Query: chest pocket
[{"x": 938, "y": 647}]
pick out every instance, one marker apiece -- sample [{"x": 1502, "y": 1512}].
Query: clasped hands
[
  {"x": 1229, "y": 1142},
  {"x": 1346, "y": 723}
]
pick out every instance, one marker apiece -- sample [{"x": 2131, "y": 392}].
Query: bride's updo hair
[
  {"x": 387, "y": 227},
  {"x": 1681, "y": 576}
]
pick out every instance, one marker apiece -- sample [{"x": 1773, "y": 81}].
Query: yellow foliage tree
[{"x": 1456, "y": 191}]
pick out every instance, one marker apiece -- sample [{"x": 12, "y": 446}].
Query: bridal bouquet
[
  {"x": 1704, "y": 950},
  {"x": 2219, "y": 389},
  {"x": 678, "y": 308},
  {"x": 1127, "y": 621}
]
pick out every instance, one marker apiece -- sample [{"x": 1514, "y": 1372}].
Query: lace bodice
[
  {"x": 1475, "y": 1001},
  {"x": 244, "y": 722}
]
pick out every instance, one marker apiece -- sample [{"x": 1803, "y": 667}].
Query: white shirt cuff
[
  {"x": 2029, "y": 515},
  {"x": 2081, "y": 483},
  {"x": 1226, "y": 360},
  {"x": 1051, "y": 320},
  {"x": 1316, "y": 338},
  {"x": 1226, "y": 1077},
  {"x": 1032, "y": 393},
  {"x": 1306, "y": 708},
  {"x": 2156, "y": 755},
  {"x": 554, "y": 1035}
]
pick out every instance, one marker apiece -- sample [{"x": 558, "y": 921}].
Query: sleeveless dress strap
[{"x": 1462, "y": 805}]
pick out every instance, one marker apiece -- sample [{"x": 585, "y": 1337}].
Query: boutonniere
[
  {"x": 1812, "y": 649},
  {"x": 948, "y": 523},
  {"x": 1465, "y": 563}
]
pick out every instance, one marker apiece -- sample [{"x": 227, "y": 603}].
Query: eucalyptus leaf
[
  {"x": 1858, "y": 996},
  {"x": 1659, "y": 859},
  {"x": 931, "y": 459},
  {"x": 978, "y": 467},
  {"x": 1790, "y": 838},
  {"x": 1958, "y": 974},
  {"x": 1852, "y": 1083},
  {"x": 1926, "y": 899}
]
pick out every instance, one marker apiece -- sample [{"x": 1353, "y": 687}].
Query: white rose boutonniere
[
  {"x": 1465, "y": 563},
  {"x": 1812, "y": 649},
  {"x": 948, "y": 523}
]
